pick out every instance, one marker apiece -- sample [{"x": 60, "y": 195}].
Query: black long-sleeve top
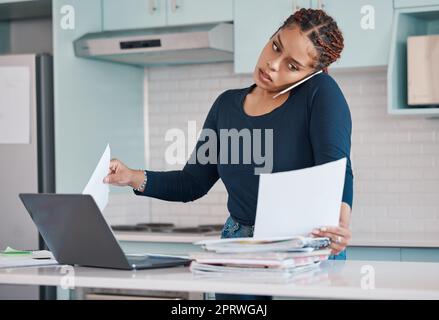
[{"x": 313, "y": 126}]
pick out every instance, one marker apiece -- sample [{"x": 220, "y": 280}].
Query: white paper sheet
[
  {"x": 36, "y": 258},
  {"x": 14, "y": 105},
  {"x": 95, "y": 186},
  {"x": 295, "y": 202}
]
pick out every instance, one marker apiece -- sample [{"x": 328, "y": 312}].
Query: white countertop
[
  {"x": 332, "y": 279},
  {"x": 143, "y": 236},
  {"x": 365, "y": 239}
]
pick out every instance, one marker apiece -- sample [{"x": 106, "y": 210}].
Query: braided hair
[{"x": 323, "y": 32}]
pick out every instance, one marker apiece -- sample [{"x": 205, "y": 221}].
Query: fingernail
[{"x": 323, "y": 228}]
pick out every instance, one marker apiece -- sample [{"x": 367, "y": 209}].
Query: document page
[
  {"x": 95, "y": 186},
  {"x": 295, "y": 202}
]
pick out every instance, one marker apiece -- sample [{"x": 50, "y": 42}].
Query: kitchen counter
[
  {"x": 142, "y": 236},
  {"x": 364, "y": 239},
  {"x": 333, "y": 279}
]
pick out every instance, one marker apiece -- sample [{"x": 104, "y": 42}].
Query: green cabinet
[
  {"x": 393, "y": 254},
  {"x": 415, "y": 3},
  {"x": 255, "y": 22},
  {"x": 133, "y": 14},
  {"x": 420, "y": 254},
  {"x": 373, "y": 253},
  {"x": 91, "y": 98},
  {"x": 181, "y": 12},
  {"x": 413, "y": 21},
  {"x": 366, "y": 26},
  {"x": 138, "y": 14}
]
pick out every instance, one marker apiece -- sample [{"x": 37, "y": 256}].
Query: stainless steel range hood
[{"x": 160, "y": 46}]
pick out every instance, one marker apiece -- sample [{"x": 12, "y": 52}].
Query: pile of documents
[
  {"x": 12, "y": 258},
  {"x": 266, "y": 256}
]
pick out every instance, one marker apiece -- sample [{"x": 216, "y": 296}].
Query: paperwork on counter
[
  {"x": 280, "y": 255},
  {"x": 95, "y": 186},
  {"x": 280, "y": 244},
  {"x": 297, "y": 201},
  {"x": 263, "y": 259},
  {"x": 11, "y": 258}
]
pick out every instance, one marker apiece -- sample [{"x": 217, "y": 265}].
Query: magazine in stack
[{"x": 264, "y": 256}]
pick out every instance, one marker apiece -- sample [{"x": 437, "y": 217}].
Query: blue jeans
[{"x": 233, "y": 229}]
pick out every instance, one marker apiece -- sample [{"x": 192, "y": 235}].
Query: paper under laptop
[
  {"x": 95, "y": 186},
  {"x": 295, "y": 202},
  {"x": 35, "y": 258}
]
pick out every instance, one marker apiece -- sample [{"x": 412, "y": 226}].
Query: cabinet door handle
[
  {"x": 152, "y": 6},
  {"x": 320, "y": 5},
  {"x": 174, "y": 5}
]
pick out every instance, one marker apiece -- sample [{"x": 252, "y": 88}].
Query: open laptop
[{"x": 76, "y": 233}]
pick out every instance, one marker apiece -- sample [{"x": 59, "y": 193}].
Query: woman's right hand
[{"x": 120, "y": 175}]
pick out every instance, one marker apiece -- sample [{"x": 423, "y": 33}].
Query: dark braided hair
[{"x": 323, "y": 32}]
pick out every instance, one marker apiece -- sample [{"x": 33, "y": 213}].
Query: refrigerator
[{"x": 27, "y": 161}]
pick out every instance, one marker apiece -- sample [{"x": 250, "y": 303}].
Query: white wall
[{"x": 395, "y": 158}]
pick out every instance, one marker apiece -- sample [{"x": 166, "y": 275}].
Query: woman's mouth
[{"x": 264, "y": 77}]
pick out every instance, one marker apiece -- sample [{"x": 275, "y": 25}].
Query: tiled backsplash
[{"x": 395, "y": 159}]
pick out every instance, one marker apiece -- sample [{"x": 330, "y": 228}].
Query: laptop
[{"x": 77, "y": 234}]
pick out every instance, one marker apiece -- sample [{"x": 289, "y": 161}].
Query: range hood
[{"x": 160, "y": 46}]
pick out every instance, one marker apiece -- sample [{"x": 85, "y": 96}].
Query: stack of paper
[
  {"x": 295, "y": 243},
  {"x": 270, "y": 256},
  {"x": 11, "y": 258}
]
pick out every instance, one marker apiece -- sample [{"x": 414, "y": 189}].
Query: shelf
[
  {"x": 29, "y": 9},
  {"x": 408, "y": 22}
]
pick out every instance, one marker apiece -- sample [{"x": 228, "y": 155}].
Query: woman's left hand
[{"x": 341, "y": 235}]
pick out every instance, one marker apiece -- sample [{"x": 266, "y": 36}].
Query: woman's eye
[
  {"x": 292, "y": 67},
  {"x": 275, "y": 48}
]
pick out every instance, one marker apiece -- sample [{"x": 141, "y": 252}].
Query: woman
[{"x": 311, "y": 125}]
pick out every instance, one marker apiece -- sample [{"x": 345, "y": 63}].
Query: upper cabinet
[
  {"x": 133, "y": 14},
  {"x": 255, "y": 22},
  {"x": 181, "y": 12},
  {"x": 366, "y": 26},
  {"x": 408, "y": 22},
  {"x": 138, "y": 14},
  {"x": 415, "y": 3}
]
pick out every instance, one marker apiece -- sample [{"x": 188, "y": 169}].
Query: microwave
[{"x": 423, "y": 70}]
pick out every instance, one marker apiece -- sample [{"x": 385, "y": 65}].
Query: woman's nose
[{"x": 273, "y": 65}]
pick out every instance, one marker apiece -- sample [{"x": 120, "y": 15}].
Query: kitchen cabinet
[
  {"x": 138, "y": 14},
  {"x": 393, "y": 254},
  {"x": 255, "y": 22},
  {"x": 373, "y": 253},
  {"x": 366, "y": 26},
  {"x": 90, "y": 99},
  {"x": 24, "y": 9},
  {"x": 420, "y": 254},
  {"x": 413, "y": 21},
  {"x": 181, "y": 12},
  {"x": 133, "y": 14},
  {"x": 415, "y": 3}
]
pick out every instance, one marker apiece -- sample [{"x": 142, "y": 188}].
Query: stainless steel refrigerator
[{"x": 26, "y": 165}]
